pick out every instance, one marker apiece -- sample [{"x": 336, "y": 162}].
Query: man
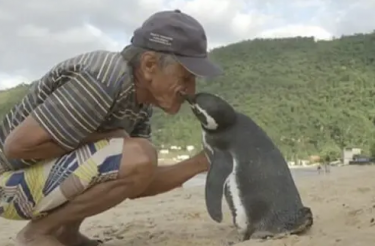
[{"x": 77, "y": 144}]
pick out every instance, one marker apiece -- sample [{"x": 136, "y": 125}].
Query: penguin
[{"x": 249, "y": 170}]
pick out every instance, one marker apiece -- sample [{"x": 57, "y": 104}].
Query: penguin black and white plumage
[{"x": 249, "y": 170}]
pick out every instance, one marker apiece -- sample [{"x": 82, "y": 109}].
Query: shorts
[{"x": 33, "y": 192}]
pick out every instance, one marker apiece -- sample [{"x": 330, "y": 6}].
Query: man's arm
[
  {"x": 68, "y": 116},
  {"x": 170, "y": 177},
  {"x": 117, "y": 133}
]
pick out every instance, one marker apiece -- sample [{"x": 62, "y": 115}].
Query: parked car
[{"x": 361, "y": 160}]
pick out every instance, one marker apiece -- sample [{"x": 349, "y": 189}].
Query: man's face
[{"x": 167, "y": 82}]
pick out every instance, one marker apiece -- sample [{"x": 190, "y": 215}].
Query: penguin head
[{"x": 213, "y": 112}]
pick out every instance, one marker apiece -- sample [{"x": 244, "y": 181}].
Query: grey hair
[{"x": 133, "y": 54}]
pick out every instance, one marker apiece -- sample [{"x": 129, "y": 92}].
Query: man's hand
[
  {"x": 118, "y": 133},
  {"x": 97, "y": 136},
  {"x": 202, "y": 161}
]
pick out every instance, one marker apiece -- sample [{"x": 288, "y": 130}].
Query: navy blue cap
[{"x": 179, "y": 34}]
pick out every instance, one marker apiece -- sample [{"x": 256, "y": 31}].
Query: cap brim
[{"x": 201, "y": 67}]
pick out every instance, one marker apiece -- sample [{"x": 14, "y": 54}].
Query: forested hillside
[{"x": 311, "y": 97}]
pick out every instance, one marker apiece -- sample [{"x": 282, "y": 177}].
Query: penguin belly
[
  {"x": 206, "y": 145},
  {"x": 235, "y": 202}
]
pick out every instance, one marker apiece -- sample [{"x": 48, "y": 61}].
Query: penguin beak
[{"x": 188, "y": 98}]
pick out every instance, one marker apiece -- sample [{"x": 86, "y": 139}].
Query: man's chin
[{"x": 172, "y": 110}]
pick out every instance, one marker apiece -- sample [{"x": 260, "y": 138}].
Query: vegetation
[{"x": 311, "y": 97}]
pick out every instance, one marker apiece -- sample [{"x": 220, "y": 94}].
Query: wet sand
[{"x": 343, "y": 203}]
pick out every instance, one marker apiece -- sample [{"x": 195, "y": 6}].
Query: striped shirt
[{"x": 92, "y": 92}]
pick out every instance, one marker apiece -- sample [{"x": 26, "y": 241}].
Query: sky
[{"x": 37, "y": 34}]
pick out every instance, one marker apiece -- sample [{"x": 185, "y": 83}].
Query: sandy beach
[{"x": 343, "y": 203}]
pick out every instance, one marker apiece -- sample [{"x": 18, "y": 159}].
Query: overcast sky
[{"x": 35, "y": 35}]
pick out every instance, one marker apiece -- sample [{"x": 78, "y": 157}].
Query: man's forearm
[
  {"x": 97, "y": 136},
  {"x": 50, "y": 149},
  {"x": 47, "y": 150},
  {"x": 94, "y": 137},
  {"x": 170, "y": 177}
]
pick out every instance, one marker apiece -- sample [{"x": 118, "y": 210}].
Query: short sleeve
[
  {"x": 143, "y": 128},
  {"x": 75, "y": 109}
]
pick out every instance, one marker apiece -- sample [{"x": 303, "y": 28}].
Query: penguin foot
[
  {"x": 249, "y": 232},
  {"x": 228, "y": 243}
]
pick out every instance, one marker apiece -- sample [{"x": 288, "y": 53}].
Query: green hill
[{"x": 309, "y": 96}]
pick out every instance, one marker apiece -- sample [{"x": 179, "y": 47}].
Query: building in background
[{"x": 348, "y": 154}]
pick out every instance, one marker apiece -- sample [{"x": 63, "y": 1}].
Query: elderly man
[{"x": 78, "y": 143}]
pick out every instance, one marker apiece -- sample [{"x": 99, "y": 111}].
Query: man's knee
[{"x": 139, "y": 158}]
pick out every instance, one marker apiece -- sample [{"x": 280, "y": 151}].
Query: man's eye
[{"x": 188, "y": 79}]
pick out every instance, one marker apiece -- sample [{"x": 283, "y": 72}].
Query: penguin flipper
[{"x": 220, "y": 168}]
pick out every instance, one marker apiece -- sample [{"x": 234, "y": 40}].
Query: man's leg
[
  {"x": 69, "y": 234},
  {"x": 165, "y": 179},
  {"x": 135, "y": 173}
]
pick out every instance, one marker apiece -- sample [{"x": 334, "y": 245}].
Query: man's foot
[
  {"x": 80, "y": 240},
  {"x": 25, "y": 239},
  {"x": 74, "y": 238}
]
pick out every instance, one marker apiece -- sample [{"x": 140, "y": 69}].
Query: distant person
[
  {"x": 319, "y": 168},
  {"x": 327, "y": 167},
  {"x": 78, "y": 143}
]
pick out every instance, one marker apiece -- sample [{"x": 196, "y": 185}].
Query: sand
[{"x": 343, "y": 203}]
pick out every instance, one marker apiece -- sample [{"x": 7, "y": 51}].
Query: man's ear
[{"x": 149, "y": 64}]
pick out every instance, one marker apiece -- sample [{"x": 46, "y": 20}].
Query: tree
[{"x": 307, "y": 95}]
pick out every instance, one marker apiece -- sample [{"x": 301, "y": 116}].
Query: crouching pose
[{"x": 78, "y": 143}]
